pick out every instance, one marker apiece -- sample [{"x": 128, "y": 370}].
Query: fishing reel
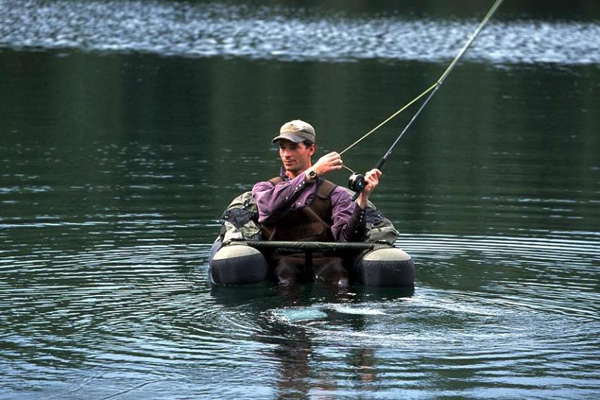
[{"x": 357, "y": 183}]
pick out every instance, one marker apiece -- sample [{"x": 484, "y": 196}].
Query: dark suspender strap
[{"x": 325, "y": 188}]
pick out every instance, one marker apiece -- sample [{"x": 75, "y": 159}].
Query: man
[{"x": 300, "y": 205}]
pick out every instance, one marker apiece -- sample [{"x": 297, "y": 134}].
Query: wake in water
[{"x": 219, "y": 30}]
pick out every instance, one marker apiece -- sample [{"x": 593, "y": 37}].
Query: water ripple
[
  {"x": 558, "y": 276},
  {"x": 141, "y": 310},
  {"x": 208, "y": 30}
]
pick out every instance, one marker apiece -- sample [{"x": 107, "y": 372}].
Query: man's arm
[
  {"x": 348, "y": 218},
  {"x": 349, "y": 222},
  {"x": 274, "y": 201}
]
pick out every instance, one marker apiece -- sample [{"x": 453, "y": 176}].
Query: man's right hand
[{"x": 328, "y": 163}]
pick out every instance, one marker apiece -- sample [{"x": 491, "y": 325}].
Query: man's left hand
[{"x": 371, "y": 182}]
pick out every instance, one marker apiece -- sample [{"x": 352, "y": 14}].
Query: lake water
[{"x": 127, "y": 128}]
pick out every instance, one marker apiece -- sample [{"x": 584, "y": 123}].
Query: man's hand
[
  {"x": 328, "y": 163},
  {"x": 371, "y": 182}
]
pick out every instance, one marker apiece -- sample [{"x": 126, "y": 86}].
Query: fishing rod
[{"x": 357, "y": 181}]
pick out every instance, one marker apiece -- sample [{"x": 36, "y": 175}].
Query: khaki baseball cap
[{"x": 296, "y": 131}]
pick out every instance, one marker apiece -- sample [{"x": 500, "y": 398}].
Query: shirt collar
[{"x": 282, "y": 174}]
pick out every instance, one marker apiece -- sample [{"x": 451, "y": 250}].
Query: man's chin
[{"x": 292, "y": 170}]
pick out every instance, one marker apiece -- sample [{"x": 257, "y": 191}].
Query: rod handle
[{"x": 380, "y": 163}]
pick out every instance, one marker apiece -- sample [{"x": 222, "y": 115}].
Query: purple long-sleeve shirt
[{"x": 274, "y": 201}]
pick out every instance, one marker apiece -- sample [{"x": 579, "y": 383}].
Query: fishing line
[{"x": 357, "y": 181}]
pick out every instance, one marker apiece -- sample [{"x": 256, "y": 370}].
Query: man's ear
[{"x": 312, "y": 149}]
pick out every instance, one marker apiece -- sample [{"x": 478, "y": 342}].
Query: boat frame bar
[
  {"x": 276, "y": 244},
  {"x": 309, "y": 247}
]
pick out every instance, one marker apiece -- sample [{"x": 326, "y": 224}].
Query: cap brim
[{"x": 290, "y": 137}]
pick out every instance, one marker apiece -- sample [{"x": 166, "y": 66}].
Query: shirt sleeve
[
  {"x": 274, "y": 201},
  {"x": 349, "y": 222}
]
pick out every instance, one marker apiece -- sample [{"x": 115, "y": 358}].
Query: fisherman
[{"x": 300, "y": 205}]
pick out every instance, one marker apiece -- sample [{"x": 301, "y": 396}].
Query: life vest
[{"x": 310, "y": 223}]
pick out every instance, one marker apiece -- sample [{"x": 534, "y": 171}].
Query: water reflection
[{"x": 289, "y": 318}]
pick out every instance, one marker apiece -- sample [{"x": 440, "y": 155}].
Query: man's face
[{"x": 295, "y": 156}]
